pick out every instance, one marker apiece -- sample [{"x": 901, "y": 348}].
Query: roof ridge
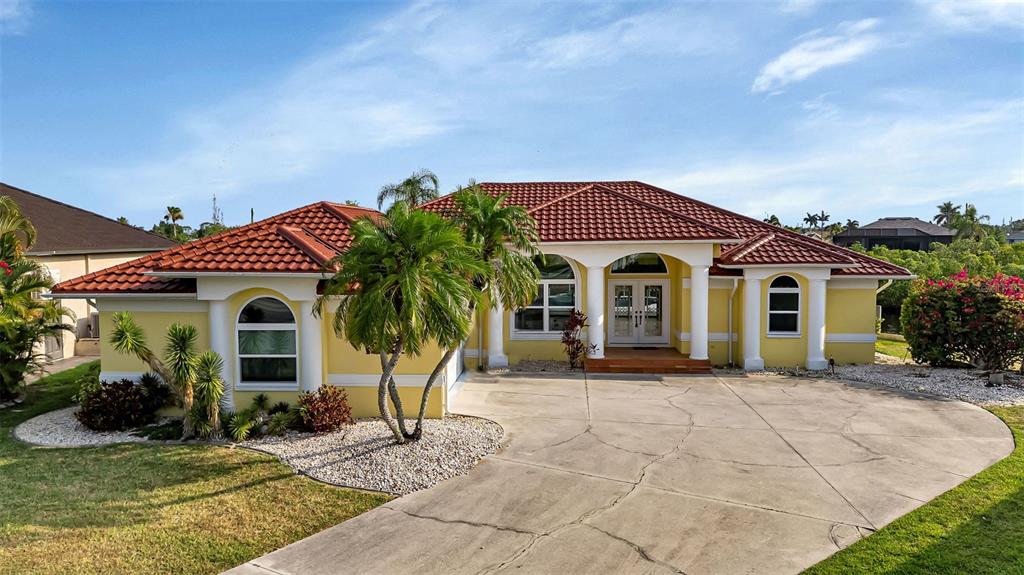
[
  {"x": 564, "y": 196},
  {"x": 304, "y": 240},
  {"x": 751, "y": 245},
  {"x": 674, "y": 213}
]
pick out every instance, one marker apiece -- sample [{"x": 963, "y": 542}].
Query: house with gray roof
[{"x": 901, "y": 233}]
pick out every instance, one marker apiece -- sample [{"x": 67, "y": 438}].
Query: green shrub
[
  {"x": 87, "y": 384},
  {"x": 325, "y": 410},
  {"x": 281, "y": 421},
  {"x": 121, "y": 405},
  {"x": 966, "y": 319},
  {"x": 279, "y": 407}
]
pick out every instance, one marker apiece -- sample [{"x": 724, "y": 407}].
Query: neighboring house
[
  {"x": 652, "y": 269},
  {"x": 1015, "y": 237},
  {"x": 72, "y": 242},
  {"x": 896, "y": 233}
]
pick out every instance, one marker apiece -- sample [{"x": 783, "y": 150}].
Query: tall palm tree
[
  {"x": 417, "y": 189},
  {"x": 969, "y": 224},
  {"x": 173, "y": 216},
  {"x": 851, "y": 225},
  {"x": 811, "y": 220},
  {"x": 948, "y": 213},
  {"x": 406, "y": 282},
  {"x": 506, "y": 240},
  {"x": 25, "y": 319},
  {"x": 17, "y": 233}
]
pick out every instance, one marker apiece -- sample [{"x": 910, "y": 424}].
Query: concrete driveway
[{"x": 666, "y": 475}]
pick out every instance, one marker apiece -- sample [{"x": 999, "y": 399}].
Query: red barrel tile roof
[{"x": 305, "y": 239}]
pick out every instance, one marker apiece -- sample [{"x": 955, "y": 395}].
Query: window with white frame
[
  {"x": 555, "y": 299},
  {"x": 784, "y": 307},
  {"x": 266, "y": 342},
  {"x": 644, "y": 263}
]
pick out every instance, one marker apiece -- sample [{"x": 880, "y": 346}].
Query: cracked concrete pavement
[{"x": 662, "y": 474}]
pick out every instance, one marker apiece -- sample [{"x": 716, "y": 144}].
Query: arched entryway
[{"x": 639, "y": 301}]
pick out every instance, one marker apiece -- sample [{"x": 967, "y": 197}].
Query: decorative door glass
[
  {"x": 653, "y": 312},
  {"x": 623, "y": 316}
]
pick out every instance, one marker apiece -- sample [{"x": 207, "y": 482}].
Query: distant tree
[
  {"x": 948, "y": 213},
  {"x": 351, "y": 203},
  {"x": 417, "y": 189},
  {"x": 970, "y": 224},
  {"x": 851, "y": 225},
  {"x": 173, "y": 216},
  {"x": 773, "y": 220},
  {"x": 123, "y": 220},
  {"x": 811, "y": 220}
]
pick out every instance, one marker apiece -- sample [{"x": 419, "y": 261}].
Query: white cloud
[
  {"x": 815, "y": 52},
  {"x": 798, "y": 6},
  {"x": 869, "y": 165},
  {"x": 977, "y": 15},
  {"x": 14, "y": 16}
]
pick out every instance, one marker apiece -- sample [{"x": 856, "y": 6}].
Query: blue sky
[{"x": 860, "y": 109}]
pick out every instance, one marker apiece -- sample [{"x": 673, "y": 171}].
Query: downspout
[
  {"x": 732, "y": 295},
  {"x": 878, "y": 308},
  {"x": 883, "y": 287}
]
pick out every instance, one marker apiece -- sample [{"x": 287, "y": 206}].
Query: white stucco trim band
[{"x": 851, "y": 338}]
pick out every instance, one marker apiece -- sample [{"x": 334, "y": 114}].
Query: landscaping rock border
[
  {"x": 365, "y": 455},
  {"x": 59, "y": 428}
]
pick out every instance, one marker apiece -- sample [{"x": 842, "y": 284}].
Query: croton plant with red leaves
[{"x": 966, "y": 319}]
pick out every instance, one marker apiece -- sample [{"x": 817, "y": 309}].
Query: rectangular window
[
  {"x": 784, "y": 312},
  {"x": 268, "y": 369},
  {"x": 549, "y": 311}
]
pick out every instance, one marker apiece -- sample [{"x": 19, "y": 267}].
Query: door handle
[{"x": 636, "y": 319}]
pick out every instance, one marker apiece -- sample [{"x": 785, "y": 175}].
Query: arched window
[
  {"x": 266, "y": 342},
  {"x": 555, "y": 299},
  {"x": 784, "y": 307},
  {"x": 646, "y": 263}
]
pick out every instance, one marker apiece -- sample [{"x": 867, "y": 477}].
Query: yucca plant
[{"x": 181, "y": 368}]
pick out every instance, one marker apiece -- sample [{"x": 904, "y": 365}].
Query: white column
[
  {"x": 752, "y": 325},
  {"x": 311, "y": 349},
  {"x": 496, "y": 357},
  {"x": 698, "y": 312},
  {"x": 222, "y": 342},
  {"x": 595, "y": 310},
  {"x": 816, "y": 324}
]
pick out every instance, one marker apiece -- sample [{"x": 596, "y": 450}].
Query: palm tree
[
  {"x": 173, "y": 216},
  {"x": 851, "y": 225},
  {"x": 506, "y": 240},
  {"x": 773, "y": 220},
  {"x": 25, "y": 319},
  {"x": 811, "y": 220},
  {"x": 417, "y": 189},
  {"x": 17, "y": 233},
  {"x": 948, "y": 213},
  {"x": 969, "y": 224},
  {"x": 406, "y": 282},
  {"x": 181, "y": 368}
]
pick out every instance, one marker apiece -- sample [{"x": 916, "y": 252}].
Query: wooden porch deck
[{"x": 647, "y": 360}]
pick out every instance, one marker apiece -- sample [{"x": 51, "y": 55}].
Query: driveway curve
[{"x": 666, "y": 475}]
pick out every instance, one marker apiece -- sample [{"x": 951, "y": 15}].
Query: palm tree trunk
[
  {"x": 184, "y": 394},
  {"x": 382, "y": 391},
  {"x": 396, "y": 399},
  {"x": 438, "y": 370}
]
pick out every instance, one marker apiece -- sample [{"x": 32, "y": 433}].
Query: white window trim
[
  {"x": 546, "y": 335},
  {"x": 239, "y": 356},
  {"x": 799, "y": 310}
]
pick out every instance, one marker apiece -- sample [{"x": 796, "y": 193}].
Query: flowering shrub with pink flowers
[{"x": 966, "y": 319}]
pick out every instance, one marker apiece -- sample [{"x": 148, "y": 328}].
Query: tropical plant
[
  {"x": 966, "y": 319},
  {"x": 403, "y": 283},
  {"x": 969, "y": 225},
  {"x": 417, "y": 189},
  {"x": 25, "y": 320},
  {"x": 173, "y": 216},
  {"x": 773, "y": 220},
  {"x": 851, "y": 225},
  {"x": 180, "y": 367},
  {"x": 208, "y": 393},
  {"x": 325, "y": 410},
  {"x": 121, "y": 405},
  {"x": 17, "y": 233},
  {"x": 811, "y": 220},
  {"x": 575, "y": 349},
  {"x": 948, "y": 213}
]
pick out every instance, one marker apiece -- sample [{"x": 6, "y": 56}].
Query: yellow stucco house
[{"x": 655, "y": 272}]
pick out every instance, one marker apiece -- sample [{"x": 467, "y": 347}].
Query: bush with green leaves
[
  {"x": 326, "y": 409},
  {"x": 966, "y": 320},
  {"x": 121, "y": 405}
]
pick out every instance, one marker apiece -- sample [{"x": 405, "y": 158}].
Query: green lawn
[
  {"x": 976, "y": 528},
  {"x": 149, "y": 509},
  {"x": 898, "y": 349}
]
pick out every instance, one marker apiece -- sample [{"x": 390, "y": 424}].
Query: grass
[
  {"x": 977, "y": 528},
  {"x": 898, "y": 349},
  {"x": 149, "y": 509}
]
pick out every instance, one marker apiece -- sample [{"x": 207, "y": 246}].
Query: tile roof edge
[
  {"x": 752, "y": 244},
  {"x": 307, "y": 242}
]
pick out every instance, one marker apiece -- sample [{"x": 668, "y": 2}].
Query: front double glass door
[{"x": 639, "y": 312}]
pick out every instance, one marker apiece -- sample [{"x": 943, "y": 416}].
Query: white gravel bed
[
  {"x": 365, "y": 455},
  {"x": 540, "y": 366},
  {"x": 955, "y": 383},
  {"x": 59, "y": 428}
]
